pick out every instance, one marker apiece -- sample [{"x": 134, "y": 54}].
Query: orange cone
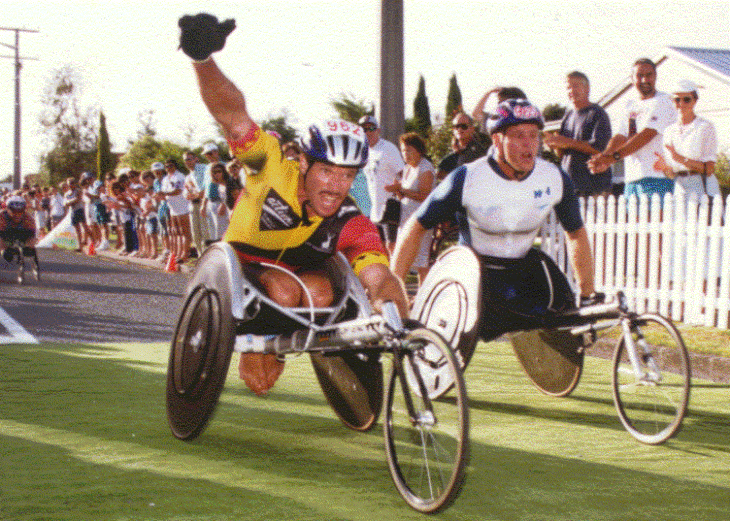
[
  {"x": 92, "y": 249},
  {"x": 171, "y": 264}
]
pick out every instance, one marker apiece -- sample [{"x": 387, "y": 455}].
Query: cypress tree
[
  {"x": 421, "y": 112},
  {"x": 104, "y": 157},
  {"x": 453, "y": 99}
]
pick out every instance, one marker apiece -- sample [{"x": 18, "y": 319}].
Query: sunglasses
[
  {"x": 686, "y": 99},
  {"x": 461, "y": 126},
  {"x": 370, "y": 128}
]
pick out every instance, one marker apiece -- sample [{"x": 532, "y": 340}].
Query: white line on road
[{"x": 17, "y": 333}]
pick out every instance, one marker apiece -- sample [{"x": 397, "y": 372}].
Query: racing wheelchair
[
  {"x": 426, "y": 439},
  {"x": 650, "y": 364},
  {"x": 15, "y": 256}
]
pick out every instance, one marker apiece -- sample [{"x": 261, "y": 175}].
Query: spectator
[
  {"x": 120, "y": 203},
  {"x": 194, "y": 182},
  {"x": 148, "y": 206},
  {"x": 503, "y": 93},
  {"x": 213, "y": 206},
  {"x": 103, "y": 216},
  {"x": 384, "y": 166},
  {"x": 172, "y": 188},
  {"x": 467, "y": 146},
  {"x": 291, "y": 150},
  {"x": 690, "y": 147},
  {"x": 584, "y": 132},
  {"x": 213, "y": 155},
  {"x": 40, "y": 205},
  {"x": 57, "y": 209},
  {"x": 90, "y": 199},
  {"x": 639, "y": 136},
  {"x": 73, "y": 202},
  {"x": 163, "y": 210},
  {"x": 418, "y": 181},
  {"x": 234, "y": 185}
]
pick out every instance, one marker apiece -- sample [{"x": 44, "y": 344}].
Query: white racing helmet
[{"x": 336, "y": 142}]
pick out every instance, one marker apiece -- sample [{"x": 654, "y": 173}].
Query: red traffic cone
[
  {"x": 171, "y": 264},
  {"x": 92, "y": 249}
]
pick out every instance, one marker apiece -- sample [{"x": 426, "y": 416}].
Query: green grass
[{"x": 83, "y": 436}]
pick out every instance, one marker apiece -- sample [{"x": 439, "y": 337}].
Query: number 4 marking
[{"x": 17, "y": 333}]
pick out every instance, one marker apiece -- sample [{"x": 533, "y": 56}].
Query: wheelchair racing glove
[{"x": 202, "y": 34}]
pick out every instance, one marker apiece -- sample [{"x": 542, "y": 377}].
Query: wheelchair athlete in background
[
  {"x": 500, "y": 202},
  {"x": 16, "y": 226},
  {"x": 294, "y": 214}
]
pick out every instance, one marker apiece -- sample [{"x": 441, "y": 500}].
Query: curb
[{"x": 149, "y": 263}]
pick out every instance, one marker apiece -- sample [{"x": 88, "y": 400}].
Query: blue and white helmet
[
  {"x": 336, "y": 142},
  {"x": 514, "y": 112},
  {"x": 16, "y": 203}
]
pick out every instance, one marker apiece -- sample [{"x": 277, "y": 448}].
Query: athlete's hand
[{"x": 202, "y": 35}]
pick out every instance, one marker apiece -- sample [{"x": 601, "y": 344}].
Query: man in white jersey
[
  {"x": 640, "y": 136},
  {"x": 500, "y": 202}
]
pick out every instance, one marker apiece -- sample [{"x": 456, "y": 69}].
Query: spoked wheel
[
  {"x": 652, "y": 403},
  {"x": 426, "y": 441},
  {"x": 199, "y": 358}
]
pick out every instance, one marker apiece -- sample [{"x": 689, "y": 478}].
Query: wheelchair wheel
[
  {"x": 652, "y": 404},
  {"x": 199, "y": 358},
  {"x": 426, "y": 441},
  {"x": 36, "y": 267},
  {"x": 20, "y": 268}
]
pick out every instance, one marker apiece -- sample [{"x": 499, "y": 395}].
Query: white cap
[
  {"x": 210, "y": 147},
  {"x": 684, "y": 86},
  {"x": 157, "y": 166}
]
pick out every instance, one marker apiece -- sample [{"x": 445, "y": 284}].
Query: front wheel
[
  {"x": 426, "y": 440},
  {"x": 652, "y": 392}
]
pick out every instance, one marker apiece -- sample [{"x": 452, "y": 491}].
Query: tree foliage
[
  {"x": 68, "y": 128},
  {"x": 553, "y": 112},
  {"x": 453, "y": 99},
  {"x": 351, "y": 109},
  {"x": 280, "y": 125},
  {"x": 145, "y": 151},
  {"x": 105, "y": 160},
  {"x": 421, "y": 112}
]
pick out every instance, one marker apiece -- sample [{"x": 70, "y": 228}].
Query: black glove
[{"x": 202, "y": 35}]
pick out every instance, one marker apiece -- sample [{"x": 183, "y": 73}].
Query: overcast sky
[{"x": 297, "y": 56}]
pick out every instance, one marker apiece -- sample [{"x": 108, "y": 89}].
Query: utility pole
[
  {"x": 18, "y": 66},
  {"x": 391, "y": 117}
]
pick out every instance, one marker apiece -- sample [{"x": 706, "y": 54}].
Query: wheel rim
[
  {"x": 427, "y": 454},
  {"x": 651, "y": 406}
]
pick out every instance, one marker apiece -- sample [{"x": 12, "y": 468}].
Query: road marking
[{"x": 17, "y": 333}]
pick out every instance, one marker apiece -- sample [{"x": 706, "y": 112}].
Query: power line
[{"x": 18, "y": 66}]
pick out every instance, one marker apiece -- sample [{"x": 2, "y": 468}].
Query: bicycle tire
[
  {"x": 427, "y": 454},
  {"x": 651, "y": 407}
]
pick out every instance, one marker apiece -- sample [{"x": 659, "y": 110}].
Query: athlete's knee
[
  {"x": 281, "y": 288},
  {"x": 320, "y": 289}
]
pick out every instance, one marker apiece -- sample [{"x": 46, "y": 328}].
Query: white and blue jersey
[{"x": 499, "y": 217}]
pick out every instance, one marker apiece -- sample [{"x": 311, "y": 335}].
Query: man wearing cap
[
  {"x": 500, "y": 202},
  {"x": 639, "y": 136},
  {"x": 384, "y": 166},
  {"x": 584, "y": 132},
  {"x": 194, "y": 182}
]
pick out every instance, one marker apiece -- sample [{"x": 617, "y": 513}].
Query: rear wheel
[
  {"x": 426, "y": 440},
  {"x": 651, "y": 399}
]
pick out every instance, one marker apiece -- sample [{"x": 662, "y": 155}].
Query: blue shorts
[
  {"x": 649, "y": 186},
  {"x": 102, "y": 214},
  {"x": 78, "y": 216}
]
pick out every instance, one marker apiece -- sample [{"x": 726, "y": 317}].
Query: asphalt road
[{"x": 93, "y": 299}]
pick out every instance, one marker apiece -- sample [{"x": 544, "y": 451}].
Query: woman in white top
[
  {"x": 415, "y": 184},
  {"x": 691, "y": 147}
]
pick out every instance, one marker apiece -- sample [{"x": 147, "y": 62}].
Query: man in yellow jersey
[{"x": 293, "y": 213}]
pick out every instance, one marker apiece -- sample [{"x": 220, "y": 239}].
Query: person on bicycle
[
  {"x": 500, "y": 202},
  {"x": 294, "y": 214},
  {"x": 16, "y": 225}
]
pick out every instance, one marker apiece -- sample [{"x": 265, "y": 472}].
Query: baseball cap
[
  {"x": 685, "y": 86},
  {"x": 367, "y": 120},
  {"x": 210, "y": 147},
  {"x": 157, "y": 166}
]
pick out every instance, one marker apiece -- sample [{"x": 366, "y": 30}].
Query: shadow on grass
[{"x": 90, "y": 441}]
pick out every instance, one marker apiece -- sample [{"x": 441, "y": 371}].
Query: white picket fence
[{"x": 673, "y": 259}]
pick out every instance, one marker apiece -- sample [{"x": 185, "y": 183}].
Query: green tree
[
  {"x": 105, "y": 160},
  {"x": 421, "y": 112},
  {"x": 351, "y": 109},
  {"x": 453, "y": 99},
  {"x": 280, "y": 125},
  {"x": 68, "y": 128},
  {"x": 145, "y": 151}
]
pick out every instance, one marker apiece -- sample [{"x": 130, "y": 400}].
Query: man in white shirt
[
  {"x": 384, "y": 166},
  {"x": 640, "y": 135}
]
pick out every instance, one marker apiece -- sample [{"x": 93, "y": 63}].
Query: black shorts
[
  {"x": 10, "y": 235},
  {"x": 519, "y": 294}
]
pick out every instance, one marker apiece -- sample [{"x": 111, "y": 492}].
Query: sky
[{"x": 296, "y": 56}]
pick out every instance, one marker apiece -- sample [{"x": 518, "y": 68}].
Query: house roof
[{"x": 715, "y": 62}]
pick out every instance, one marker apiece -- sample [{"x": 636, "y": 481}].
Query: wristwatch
[{"x": 616, "y": 156}]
